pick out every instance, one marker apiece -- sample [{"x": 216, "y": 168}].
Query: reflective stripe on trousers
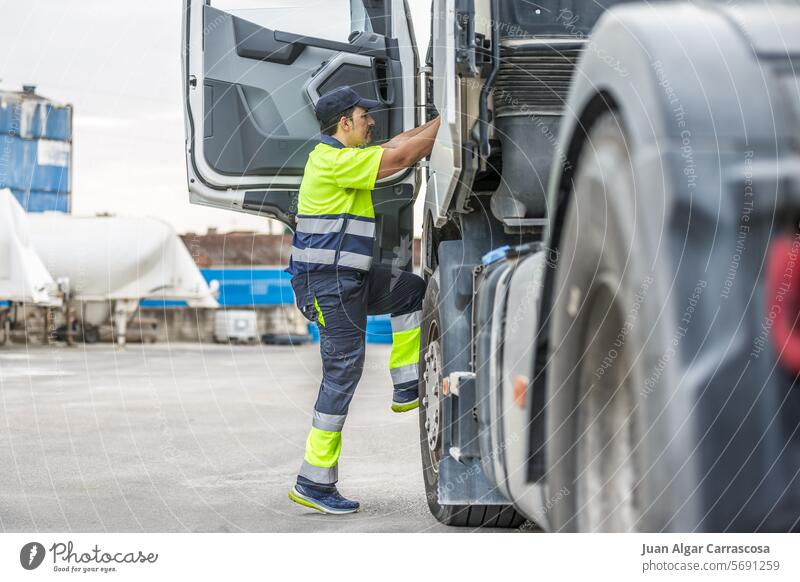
[
  {"x": 344, "y": 299},
  {"x": 403, "y": 363},
  {"x": 323, "y": 446},
  {"x": 321, "y": 460}
]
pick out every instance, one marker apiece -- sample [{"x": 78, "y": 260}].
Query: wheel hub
[{"x": 433, "y": 381}]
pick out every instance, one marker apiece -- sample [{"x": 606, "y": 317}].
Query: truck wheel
[
  {"x": 430, "y": 426},
  {"x": 607, "y": 436}
]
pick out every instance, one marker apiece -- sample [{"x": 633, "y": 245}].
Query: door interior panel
[
  {"x": 255, "y": 42},
  {"x": 251, "y": 76},
  {"x": 364, "y": 81},
  {"x": 250, "y": 130},
  {"x": 394, "y": 228},
  {"x": 280, "y": 204},
  {"x": 277, "y": 46},
  {"x": 245, "y": 133}
]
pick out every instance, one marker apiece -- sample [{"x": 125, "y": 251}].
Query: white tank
[
  {"x": 23, "y": 276},
  {"x": 119, "y": 260}
]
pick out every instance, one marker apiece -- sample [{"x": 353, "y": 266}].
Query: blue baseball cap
[{"x": 337, "y": 100}]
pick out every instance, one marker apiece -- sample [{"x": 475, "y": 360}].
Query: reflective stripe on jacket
[{"x": 336, "y": 219}]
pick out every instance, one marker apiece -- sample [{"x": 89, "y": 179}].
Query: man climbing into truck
[{"x": 337, "y": 285}]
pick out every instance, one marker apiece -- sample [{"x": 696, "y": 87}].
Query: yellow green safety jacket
[{"x": 335, "y": 216}]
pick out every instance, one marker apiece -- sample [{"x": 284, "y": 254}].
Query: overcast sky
[{"x": 118, "y": 63}]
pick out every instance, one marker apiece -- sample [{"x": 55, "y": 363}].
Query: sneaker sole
[
  {"x": 406, "y": 406},
  {"x": 305, "y": 501}
]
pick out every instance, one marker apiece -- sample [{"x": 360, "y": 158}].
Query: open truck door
[{"x": 251, "y": 77}]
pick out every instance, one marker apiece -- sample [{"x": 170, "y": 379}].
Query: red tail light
[{"x": 783, "y": 299}]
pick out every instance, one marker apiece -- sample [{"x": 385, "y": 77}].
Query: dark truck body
[{"x": 708, "y": 99}]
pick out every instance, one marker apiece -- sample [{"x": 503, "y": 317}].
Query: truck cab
[{"x": 575, "y": 363}]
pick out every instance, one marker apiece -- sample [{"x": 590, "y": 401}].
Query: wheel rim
[
  {"x": 432, "y": 376},
  {"x": 607, "y": 472}
]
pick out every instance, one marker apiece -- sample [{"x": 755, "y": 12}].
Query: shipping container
[{"x": 36, "y": 150}]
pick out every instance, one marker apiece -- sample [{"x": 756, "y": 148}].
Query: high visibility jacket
[{"x": 335, "y": 217}]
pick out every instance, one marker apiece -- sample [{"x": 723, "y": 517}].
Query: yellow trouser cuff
[{"x": 323, "y": 447}]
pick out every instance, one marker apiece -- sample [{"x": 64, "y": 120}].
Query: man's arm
[
  {"x": 410, "y": 150},
  {"x": 401, "y": 138}
]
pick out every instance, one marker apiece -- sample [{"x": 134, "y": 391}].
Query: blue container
[
  {"x": 379, "y": 330},
  {"x": 253, "y": 287},
  {"x": 265, "y": 287},
  {"x": 36, "y": 150}
]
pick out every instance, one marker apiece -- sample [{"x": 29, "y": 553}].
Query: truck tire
[
  {"x": 609, "y": 449},
  {"x": 430, "y": 426}
]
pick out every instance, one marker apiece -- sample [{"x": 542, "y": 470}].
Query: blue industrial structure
[
  {"x": 36, "y": 150},
  {"x": 251, "y": 287},
  {"x": 267, "y": 287}
]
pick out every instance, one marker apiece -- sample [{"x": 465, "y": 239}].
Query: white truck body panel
[{"x": 445, "y": 162}]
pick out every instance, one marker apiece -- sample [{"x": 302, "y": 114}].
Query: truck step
[{"x": 456, "y": 379}]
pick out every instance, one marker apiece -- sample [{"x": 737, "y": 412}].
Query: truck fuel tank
[{"x": 508, "y": 288}]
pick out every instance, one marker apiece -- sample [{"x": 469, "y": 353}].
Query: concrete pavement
[{"x": 192, "y": 437}]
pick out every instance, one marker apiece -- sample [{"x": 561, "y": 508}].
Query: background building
[{"x": 36, "y": 150}]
